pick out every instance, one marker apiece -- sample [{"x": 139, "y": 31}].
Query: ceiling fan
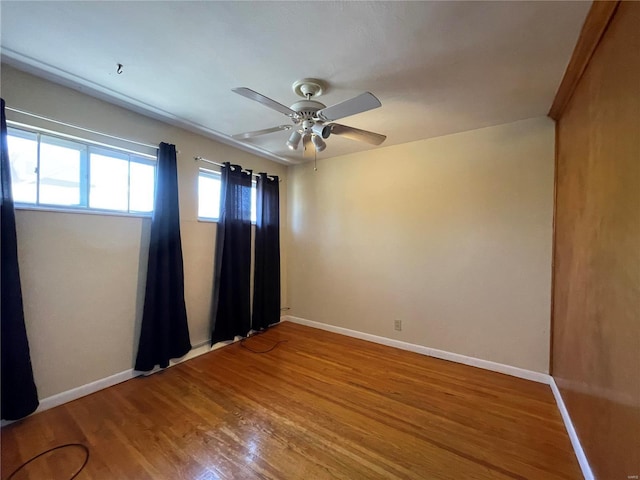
[{"x": 312, "y": 120}]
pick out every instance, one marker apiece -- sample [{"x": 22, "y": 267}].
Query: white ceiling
[{"x": 437, "y": 67}]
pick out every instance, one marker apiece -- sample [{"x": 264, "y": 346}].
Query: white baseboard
[
  {"x": 84, "y": 390},
  {"x": 573, "y": 436},
  {"x": 79, "y": 392},
  {"x": 197, "y": 350},
  {"x": 431, "y": 352},
  {"x": 89, "y": 388},
  {"x": 474, "y": 362}
]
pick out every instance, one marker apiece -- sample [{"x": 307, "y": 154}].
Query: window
[
  {"x": 209, "y": 196},
  {"x": 55, "y": 172}
]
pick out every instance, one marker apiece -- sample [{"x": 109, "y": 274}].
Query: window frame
[
  {"x": 207, "y": 172},
  {"x": 84, "y": 184}
]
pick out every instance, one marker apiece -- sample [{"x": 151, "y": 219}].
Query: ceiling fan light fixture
[
  {"x": 318, "y": 143},
  {"x": 294, "y": 140},
  {"x": 321, "y": 130}
]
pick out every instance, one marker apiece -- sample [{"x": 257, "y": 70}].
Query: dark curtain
[
  {"x": 266, "y": 276},
  {"x": 19, "y": 394},
  {"x": 164, "y": 334},
  {"x": 231, "y": 308}
]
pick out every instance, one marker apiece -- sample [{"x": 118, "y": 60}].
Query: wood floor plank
[{"x": 317, "y": 406}]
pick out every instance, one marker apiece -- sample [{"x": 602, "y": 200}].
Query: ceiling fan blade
[
  {"x": 255, "y": 133},
  {"x": 266, "y": 101},
  {"x": 361, "y": 103},
  {"x": 357, "y": 134},
  {"x": 309, "y": 149}
]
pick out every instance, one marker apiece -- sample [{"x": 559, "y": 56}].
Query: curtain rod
[
  {"x": 41, "y": 117},
  {"x": 201, "y": 159},
  {"x": 46, "y": 131}
]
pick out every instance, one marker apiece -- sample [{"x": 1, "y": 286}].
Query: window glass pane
[
  {"x": 23, "y": 157},
  {"x": 60, "y": 170},
  {"x": 208, "y": 195},
  {"x": 143, "y": 179},
  {"x": 69, "y": 173},
  {"x": 109, "y": 180},
  {"x": 253, "y": 202}
]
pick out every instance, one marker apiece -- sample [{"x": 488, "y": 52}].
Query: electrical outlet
[{"x": 397, "y": 325}]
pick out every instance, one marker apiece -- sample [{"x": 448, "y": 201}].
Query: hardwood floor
[{"x": 318, "y": 406}]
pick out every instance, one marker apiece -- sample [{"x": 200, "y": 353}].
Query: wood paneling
[
  {"x": 596, "y": 341},
  {"x": 319, "y": 406},
  {"x": 592, "y": 31}
]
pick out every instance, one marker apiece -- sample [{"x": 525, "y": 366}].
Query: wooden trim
[
  {"x": 595, "y": 25},
  {"x": 553, "y": 247}
]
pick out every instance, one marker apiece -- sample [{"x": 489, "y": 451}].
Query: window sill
[{"x": 108, "y": 213}]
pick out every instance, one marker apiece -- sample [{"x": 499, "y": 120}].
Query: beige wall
[
  {"x": 82, "y": 285},
  {"x": 451, "y": 235}
]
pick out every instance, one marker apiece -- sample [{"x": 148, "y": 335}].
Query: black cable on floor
[
  {"x": 82, "y": 446},
  {"x": 260, "y": 332}
]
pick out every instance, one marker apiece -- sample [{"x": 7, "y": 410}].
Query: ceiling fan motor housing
[
  {"x": 308, "y": 119},
  {"x": 307, "y": 108}
]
